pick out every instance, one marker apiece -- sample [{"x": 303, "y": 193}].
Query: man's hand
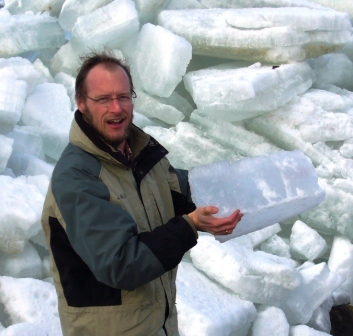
[{"x": 204, "y": 221}]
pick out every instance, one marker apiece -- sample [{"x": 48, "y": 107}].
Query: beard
[{"x": 114, "y": 141}]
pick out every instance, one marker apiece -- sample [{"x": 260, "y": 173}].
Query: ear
[{"x": 80, "y": 102}]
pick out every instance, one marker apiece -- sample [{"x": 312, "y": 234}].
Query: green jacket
[{"x": 116, "y": 232}]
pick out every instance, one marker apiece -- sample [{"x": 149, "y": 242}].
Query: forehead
[{"x": 102, "y": 79}]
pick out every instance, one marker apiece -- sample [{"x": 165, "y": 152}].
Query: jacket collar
[{"x": 84, "y": 136}]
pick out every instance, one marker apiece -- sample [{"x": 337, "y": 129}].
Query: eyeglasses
[{"x": 125, "y": 99}]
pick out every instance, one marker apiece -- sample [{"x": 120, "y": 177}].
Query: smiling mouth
[{"x": 115, "y": 121}]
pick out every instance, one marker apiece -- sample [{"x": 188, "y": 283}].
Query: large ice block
[
  {"x": 73, "y": 9},
  {"x": 329, "y": 218},
  {"x": 318, "y": 283},
  {"x": 151, "y": 107},
  {"x": 148, "y": 9},
  {"x": 340, "y": 262},
  {"x": 267, "y": 189},
  {"x": 253, "y": 275},
  {"x": 274, "y": 35},
  {"x": 20, "y": 211},
  {"x": 28, "y": 32},
  {"x": 38, "y": 304},
  {"x": 306, "y": 243},
  {"x": 21, "y": 69},
  {"x": 109, "y": 26},
  {"x": 36, "y": 6},
  {"x": 187, "y": 146},
  {"x": 242, "y": 93},
  {"x": 160, "y": 59},
  {"x": 210, "y": 308},
  {"x": 13, "y": 94},
  {"x": 48, "y": 111}
]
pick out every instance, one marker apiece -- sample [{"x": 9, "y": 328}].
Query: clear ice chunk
[{"x": 267, "y": 189}]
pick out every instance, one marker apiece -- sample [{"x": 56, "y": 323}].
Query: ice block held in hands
[{"x": 266, "y": 188}]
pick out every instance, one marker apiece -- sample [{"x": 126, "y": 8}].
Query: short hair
[{"x": 89, "y": 61}]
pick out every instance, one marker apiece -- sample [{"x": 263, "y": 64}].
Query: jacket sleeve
[
  {"x": 181, "y": 191},
  {"x": 105, "y": 236}
]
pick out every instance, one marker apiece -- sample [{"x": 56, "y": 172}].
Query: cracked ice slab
[
  {"x": 237, "y": 94},
  {"x": 267, "y": 189},
  {"x": 274, "y": 35}
]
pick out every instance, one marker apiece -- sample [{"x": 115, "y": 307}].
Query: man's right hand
[{"x": 203, "y": 220}]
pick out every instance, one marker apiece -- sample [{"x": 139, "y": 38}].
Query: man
[{"x": 116, "y": 217}]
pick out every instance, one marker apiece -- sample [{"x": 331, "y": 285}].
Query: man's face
[{"x": 112, "y": 120}]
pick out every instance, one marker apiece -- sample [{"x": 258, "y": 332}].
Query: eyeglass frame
[{"x": 106, "y": 101}]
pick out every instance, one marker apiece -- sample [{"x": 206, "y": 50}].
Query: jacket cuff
[{"x": 189, "y": 220}]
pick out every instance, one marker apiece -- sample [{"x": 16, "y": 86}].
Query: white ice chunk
[
  {"x": 344, "y": 184},
  {"x": 13, "y": 94},
  {"x": 141, "y": 121},
  {"x": 36, "y": 6},
  {"x": 155, "y": 63},
  {"x": 26, "y": 264},
  {"x": 340, "y": 262},
  {"x": 151, "y": 107},
  {"x": 334, "y": 215},
  {"x": 300, "y": 121},
  {"x": 48, "y": 110},
  {"x": 237, "y": 94},
  {"x": 306, "y": 243},
  {"x": 21, "y": 69},
  {"x": 38, "y": 302},
  {"x": 336, "y": 69},
  {"x": 277, "y": 246},
  {"x": 211, "y": 310},
  {"x": 328, "y": 101},
  {"x": 318, "y": 283},
  {"x": 321, "y": 317},
  {"x": 28, "y": 32},
  {"x": 303, "y": 330},
  {"x": 24, "y": 328},
  {"x": 270, "y": 321},
  {"x": 108, "y": 26},
  {"x": 21, "y": 207},
  {"x": 148, "y": 9},
  {"x": 72, "y": 9},
  {"x": 267, "y": 189},
  {"x": 259, "y": 236},
  {"x": 338, "y": 5},
  {"x": 26, "y": 141},
  {"x": 255, "y": 276},
  {"x": 179, "y": 102},
  {"x": 245, "y": 142},
  {"x": 67, "y": 60},
  {"x": 187, "y": 146},
  {"x": 26, "y": 164},
  {"x": 69, "y": 83},
  {"x": 41, "y": 68},
  {"x": 346, "y": 149},
  {"x": 274, "y": 35},
  {"x": 5, "y": 151}
]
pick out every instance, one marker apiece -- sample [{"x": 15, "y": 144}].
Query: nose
[{"x": 115, "y": 104}]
